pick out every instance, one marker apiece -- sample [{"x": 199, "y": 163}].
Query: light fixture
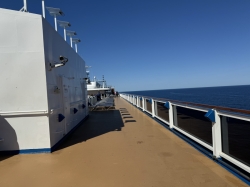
[
  {"x": 55, "y": 12},
  {"x": 64, "y": 25},
  {"x": 70, "y": 34},
  {"x": 63, "y": 61},
  {"x": 76, "y": 41}
]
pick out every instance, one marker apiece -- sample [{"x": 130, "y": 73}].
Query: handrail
[
  {"x": 219, "y": 108},
  {"x": 18, "y": 113},
  {"x": 217, "y": 116}
]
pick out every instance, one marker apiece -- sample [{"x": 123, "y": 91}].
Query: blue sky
[{"x": 159, "y": 44}]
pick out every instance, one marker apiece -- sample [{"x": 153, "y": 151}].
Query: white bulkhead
[{"x": 32, "y": 94}]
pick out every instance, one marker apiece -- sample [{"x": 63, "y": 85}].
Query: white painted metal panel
[
  {"x": 29, "y": 101},
  {"x": 23, "y": 82},
  {"x": 70, "y": 79},
  {"x": 25, "y": 132},
  {"x": 22, "y": 70}
]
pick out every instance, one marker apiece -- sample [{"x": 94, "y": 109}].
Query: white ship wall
[
  {"x": 29, "y": 107},
  {"x": 69, "y": 79}
]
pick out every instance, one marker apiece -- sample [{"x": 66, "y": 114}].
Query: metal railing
[{"x": 223, "y": 131}]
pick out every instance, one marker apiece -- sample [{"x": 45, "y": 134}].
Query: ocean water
[{"x": 227, "y": 96}]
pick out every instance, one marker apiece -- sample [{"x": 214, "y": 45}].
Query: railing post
[
  {"x": 143, "y": 104},
  {"x": 216, "y": 130},
  {"x": 153, "y": 108},
  {"x": 172, "y": 113},
  {"x": 213, "y": 116}
]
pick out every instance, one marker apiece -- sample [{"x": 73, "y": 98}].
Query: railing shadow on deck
[{"x": 98, "y": 123}]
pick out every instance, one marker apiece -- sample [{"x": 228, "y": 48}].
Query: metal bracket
[
  {"x": 56, "y": 89},
  {"x": 167, "y": 105},
  {"x": 210, "y": 115}
]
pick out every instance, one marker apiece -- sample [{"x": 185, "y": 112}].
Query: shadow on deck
[{"x": 98, "y": 123}]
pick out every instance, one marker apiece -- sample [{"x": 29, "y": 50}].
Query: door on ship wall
[
  {"x": 66, "y": 103},
  {"x": 84, "y": 98}
]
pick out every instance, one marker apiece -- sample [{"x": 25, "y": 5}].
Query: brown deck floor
[{"x": 119, "y": 148}]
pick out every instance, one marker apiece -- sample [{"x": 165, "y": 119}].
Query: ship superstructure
[
  {"x": 43, "y": 93},
  {"x": 96, "y": 86}
]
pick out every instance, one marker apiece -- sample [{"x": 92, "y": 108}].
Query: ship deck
[{"x": 117, "y": 148}]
